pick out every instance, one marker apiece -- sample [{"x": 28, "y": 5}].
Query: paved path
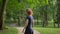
[{"x": 20, "y": 31}]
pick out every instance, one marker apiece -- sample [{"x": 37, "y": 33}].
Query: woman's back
[
  {"x": 29, "y": 29},
  {"x": 30, "y": 21}
]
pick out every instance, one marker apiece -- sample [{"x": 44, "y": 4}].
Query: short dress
[{"x": 29, "y": 29}]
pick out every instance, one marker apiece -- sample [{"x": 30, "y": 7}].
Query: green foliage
[{"x": 15, "y": 9}]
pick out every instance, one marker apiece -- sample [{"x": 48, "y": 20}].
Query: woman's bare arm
[{"x": 25, "y": 25}]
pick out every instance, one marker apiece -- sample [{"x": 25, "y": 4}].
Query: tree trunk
[
  {"x": 45, "y": 22},
  {"x": 2, "y": 14},
  {"x": 58, "y": 12},
  {"x": 45, "y": 19},
  {"x": 19, "y": 1},
  {"x": 19, "y": 19}
]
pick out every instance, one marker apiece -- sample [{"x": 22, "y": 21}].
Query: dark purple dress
[{"x": 29, "y": 29}]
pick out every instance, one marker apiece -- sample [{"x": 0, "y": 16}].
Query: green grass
[
  {"x": 48, "y": 30},
  {"x": 9, "y": 31}
]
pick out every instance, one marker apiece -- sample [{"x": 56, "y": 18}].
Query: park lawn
[
  {"x": 9, "y": 31},
  {"x": 48, "y": 30}
]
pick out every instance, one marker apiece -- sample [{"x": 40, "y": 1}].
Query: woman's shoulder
[{"x": 29, "y": 17}]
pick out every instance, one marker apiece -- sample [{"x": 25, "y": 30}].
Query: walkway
[{"x": 20, "y": 31}]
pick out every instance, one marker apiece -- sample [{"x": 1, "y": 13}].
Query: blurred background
[{"x": 46, "y": 13}]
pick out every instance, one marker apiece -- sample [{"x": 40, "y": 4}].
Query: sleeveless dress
[{"x": 29, "y": 29}]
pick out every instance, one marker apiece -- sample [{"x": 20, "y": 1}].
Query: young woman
[{"x": 29, "y": 22}]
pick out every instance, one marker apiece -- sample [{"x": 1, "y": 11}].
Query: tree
[{"x": 3, "y": 8}]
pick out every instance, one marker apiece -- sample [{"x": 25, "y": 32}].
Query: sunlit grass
[
  {"x": 9, "y": 31},
  {"x": 48, "y": 30}
]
